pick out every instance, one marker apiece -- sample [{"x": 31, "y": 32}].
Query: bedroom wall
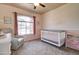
[
  {"x": 7, "y": 11},
  {"x": 65, "y": 17}
]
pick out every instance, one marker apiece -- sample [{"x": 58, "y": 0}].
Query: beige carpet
[{"x": 37, "y": 47}]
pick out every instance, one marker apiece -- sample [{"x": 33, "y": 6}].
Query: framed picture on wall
[
  {"x": 7, "y": 20},
  {"x": 1, "y": 20}
]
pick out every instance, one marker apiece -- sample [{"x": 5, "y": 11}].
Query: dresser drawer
[{"x": 72, "y": 43}]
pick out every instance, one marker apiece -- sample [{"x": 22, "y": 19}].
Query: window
[{"x": 25, "y": 25}]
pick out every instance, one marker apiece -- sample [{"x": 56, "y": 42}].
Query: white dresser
[
  {"x": 55, "y": 37},
  {"x": 5, "y": 44}
]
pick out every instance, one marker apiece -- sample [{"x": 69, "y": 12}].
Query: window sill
[{"x": 26, "y": 35}]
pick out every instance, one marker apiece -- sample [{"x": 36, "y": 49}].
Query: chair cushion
[{"x": 16, "y": 43}]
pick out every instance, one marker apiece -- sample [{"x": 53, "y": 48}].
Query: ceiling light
[{"x": 36, "y": 4}]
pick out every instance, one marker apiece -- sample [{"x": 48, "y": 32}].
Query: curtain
[
  {"x": 34, "y": 18},
  {"x": 15, "y": 24}
]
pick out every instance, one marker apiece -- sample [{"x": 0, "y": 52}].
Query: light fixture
[{"x": 36, "y": 4}]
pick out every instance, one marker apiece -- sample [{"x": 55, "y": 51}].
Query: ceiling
[{"x": 39, "y": 9}]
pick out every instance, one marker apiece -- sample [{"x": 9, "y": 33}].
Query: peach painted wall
[
  {"x": 65, "y": 17},
  {"x": 6, "y": 10}
]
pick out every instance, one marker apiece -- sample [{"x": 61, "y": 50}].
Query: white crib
[{"x": 55, "y": 37}]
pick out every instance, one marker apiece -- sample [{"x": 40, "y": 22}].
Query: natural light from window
[{"x": 25, "y": 25}]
